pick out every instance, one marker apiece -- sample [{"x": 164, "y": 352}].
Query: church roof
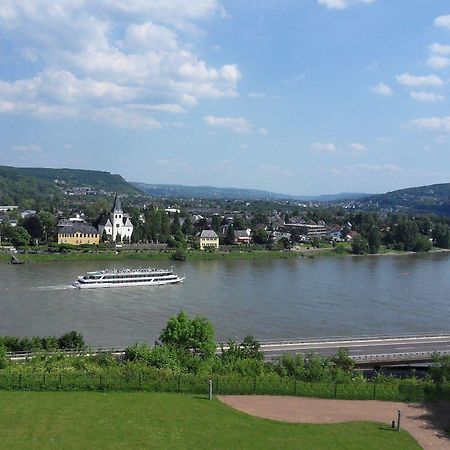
[{"x": 117, "y": 208}]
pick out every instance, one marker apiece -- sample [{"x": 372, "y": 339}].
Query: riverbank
[{"x": 149, "y": 255}]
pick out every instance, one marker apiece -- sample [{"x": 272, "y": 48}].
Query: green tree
[
  {"x": 196, "y": 335},
  {"x": 215, "y": 223},
  {"x": 49, "y": 223},
  {"x": 18, "y": 236},
  {"x": 187, "y": 227},
  {"x": 71, "y": 340},
  {"x": 261, "y": 236},
  {"x": 441, "y": 235},
  {"x": 229, "y": 237},
  {"x": 374, "y": 240},
  {"x": 360, "y": 245},
  {"x": 34, "y": 226},
  {"x": 422, "y": 244}
]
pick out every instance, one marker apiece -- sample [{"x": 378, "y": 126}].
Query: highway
[{"x": 365, "y": 350}]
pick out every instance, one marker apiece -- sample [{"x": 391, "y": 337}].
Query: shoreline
[{"x": 198, "y": 255}]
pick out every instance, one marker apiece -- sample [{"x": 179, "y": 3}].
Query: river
[{"x": 269, "y": 299}]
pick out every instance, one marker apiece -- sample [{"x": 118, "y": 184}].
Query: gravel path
[{"x": 425, "y": 422}]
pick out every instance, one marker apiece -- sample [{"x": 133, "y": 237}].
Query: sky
[{"x": 294, "y": 96}]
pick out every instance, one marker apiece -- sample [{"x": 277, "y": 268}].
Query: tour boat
[{"x": 127, "y": 277}]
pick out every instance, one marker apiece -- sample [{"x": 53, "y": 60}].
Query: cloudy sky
[{"x": 294, "y": 96}]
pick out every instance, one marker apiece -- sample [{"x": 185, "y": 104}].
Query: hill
[
  {"x": 433, "y": 199},
  {"x": 210, "y": 192},
  {"x": 19, "y": 183}
]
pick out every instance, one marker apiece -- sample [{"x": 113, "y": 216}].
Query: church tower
[{"x": 117, "y": 220}]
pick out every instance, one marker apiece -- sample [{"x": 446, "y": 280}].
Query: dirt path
[{"x": 425, "y": 422}]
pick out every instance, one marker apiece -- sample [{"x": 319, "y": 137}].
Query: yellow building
[
  {"x": 208, "y": 240},
  {"x": 78, "y": 234}
]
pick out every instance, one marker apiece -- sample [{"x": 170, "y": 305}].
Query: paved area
[{"x": 425, "y": 422}]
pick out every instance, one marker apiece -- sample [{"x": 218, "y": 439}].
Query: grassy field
[
  {"x": 62, "y": 420},
  {"x": 149, "y": 255}
]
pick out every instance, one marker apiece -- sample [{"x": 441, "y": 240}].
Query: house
[
  {"x": 242, "y": 236},
  {"x": 116, "y": 225},
  {"x": 78, "y": 233},
  {"x": 209, "y": 240}
]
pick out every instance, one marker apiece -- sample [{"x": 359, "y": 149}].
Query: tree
[
  {"x": 229, "y": 237},
  {"x": 374, "y": 240},
  {"x": 261, "y": 236},
  {"x": 18, "y": 236},
  {"x": 48, "y": 221},
  {"x": 179, "y": 255},
  {"x": 34, "y": 226},
  {"x": 175, "y": 226},
  {"x": 422, "y": 244},
  {"x": 215, "y": 223},
  {"x": 196, "y": 335},
  {"x": 187, "y": 227},
  {"x": 441, "y": 235},
  {"x": 359, "y": 245},
  {"x": 71, "y": 340}
]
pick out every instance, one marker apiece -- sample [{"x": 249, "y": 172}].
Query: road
[{"x": 360, "y": 348}]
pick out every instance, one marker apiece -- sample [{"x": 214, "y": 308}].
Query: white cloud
[
  {"x": 440, "y": 49},
  {"x": 414, "y": 81},
  {"x": 438, "y": 124},
  {"x": 377, "y": 167},
  {"x": 342, "y": 4},
  {"x": 357, "y": 147},
  {"x": 236, "y": 124},
  {"x": 121, "y": 60},
  {"x": 382, "y": 89},
  {"x": 262, "y": 131},
  {"x": 327, "y": 147},
  {"x": 438, "y": 62},
  {"x": 26, "y": 148},
  {"x": 426, "y": 97},
  {"x": 442, "y": 21}
]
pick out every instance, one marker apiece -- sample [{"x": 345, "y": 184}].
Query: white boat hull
[{"x": 95, "y": 285}]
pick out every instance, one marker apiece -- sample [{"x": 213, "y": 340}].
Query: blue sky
[{"x": 293, "y": 96}]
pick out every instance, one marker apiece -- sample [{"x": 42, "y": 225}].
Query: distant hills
[
  {"x": 17, "y": 183},
  {"x": 433, "y": 198},
  {"x": 211, "y": 192}
]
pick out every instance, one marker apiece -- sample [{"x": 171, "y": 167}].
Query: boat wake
[{"x": 61, "y": 287}]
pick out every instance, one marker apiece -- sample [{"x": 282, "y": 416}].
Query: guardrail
[{"x": 398, "y": 357}]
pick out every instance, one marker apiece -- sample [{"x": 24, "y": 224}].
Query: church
[{"x": 116, "y": 225}]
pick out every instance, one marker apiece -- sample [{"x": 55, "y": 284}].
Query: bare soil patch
[{"x": 425, "y": 422}]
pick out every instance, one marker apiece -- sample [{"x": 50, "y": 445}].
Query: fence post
[
  {"x": 210, "y": 389},
  {"x": 399, "y": 415}
]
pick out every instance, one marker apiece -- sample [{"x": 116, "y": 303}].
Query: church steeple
[{"x": 117, "y": 208}]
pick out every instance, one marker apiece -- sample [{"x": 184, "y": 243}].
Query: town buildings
[{"x": 77, "y": 233}]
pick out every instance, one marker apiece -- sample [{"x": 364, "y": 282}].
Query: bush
[
  {"x": 71, "y": 341},
  {"x": 178, "y": 255}
]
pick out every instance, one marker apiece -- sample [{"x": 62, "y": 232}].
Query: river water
[{"x": 269, "y": 299}]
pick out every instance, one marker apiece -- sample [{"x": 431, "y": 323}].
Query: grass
[
  {"x": 62, "y": 420},
  {"x": 149, "y": 255}
]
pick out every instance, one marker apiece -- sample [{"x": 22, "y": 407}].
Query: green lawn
[{"x": 90, "y": 420}]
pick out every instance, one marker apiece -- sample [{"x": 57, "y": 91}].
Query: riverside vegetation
[{"x": 186, "y": 357}]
